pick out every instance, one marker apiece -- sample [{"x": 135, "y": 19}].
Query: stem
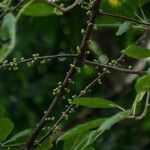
[
  {"x": 38, "y": 59},
  {"x": 76, "y": 2},
  {"x": 115, "y": 68},
  {"x": 84, "y": 61},
  {"x": 124, "y": 18}
]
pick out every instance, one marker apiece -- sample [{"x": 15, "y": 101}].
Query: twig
[
  {"x": 72, "y": 5},
  {"x": 124, "y": 18},
  {"x": 74, "y": 56},
  {"x": 54, "y": 5},
  {"x": 69, "y": 75},
  {"x": 61, "y": 8},
  {"x": 38, "y": 59},
  {"x": 115, "y": 68}
]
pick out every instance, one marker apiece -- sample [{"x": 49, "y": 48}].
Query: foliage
[{"x": 53, "y": 53}]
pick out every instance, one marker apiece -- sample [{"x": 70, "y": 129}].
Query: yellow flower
[{"x": 114, "y": 3}]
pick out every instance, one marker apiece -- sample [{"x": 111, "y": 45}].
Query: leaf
[
  {"x": 83, "y": 141},
  {"x": 123, "y": 28},
  {"x": 135, "y": 51},
  {"x": 95, "y": 102},
  {"x": 18, "y": 135},
  {"x": 69, "y": 142},
  {"x": 7, "y": 36},
  {"x": 143, "y": 84},
  {"x": 138, "y": 98},
  {"x": 81, "y": 129},
  {"x": 37, "y": 9},
  {"x": 113, "y": 120},
  {"x": 105, "y": 126},
  {"x": 6, "y": 126}
]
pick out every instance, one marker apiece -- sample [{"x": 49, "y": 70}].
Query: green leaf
[
  {"x": 105, "y": 126},
  {"x": 18, "y": 135},
  {"x": 95, "y": 102},
  {"x": 83, "y": 141},
  {"x": 135, "y": 51},
  {"x": 7, "y": 36},
  {"x": 138, "y": 98},
  {"x": 123, "y": 28},
  {"x": 6, "y": 126},
  {"x": 143, "y": 84},
  {"x": 81, "y": 129},
  {"x": 37, "y": 9},
  {"x": 69, "y": 142},
  {"x": 113, "y": 120}
]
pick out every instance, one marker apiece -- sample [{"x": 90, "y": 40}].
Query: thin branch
[
  {"x": 124, "y": 18},
  {"x": 115, "y": 68},
  {"x": 69, "y": 75},
  {"x": 54, "y": 5},
  {"x": 39, "y": 58},
  {"x": 76, "y": 2},
  {"x": 72, "y": 5}
]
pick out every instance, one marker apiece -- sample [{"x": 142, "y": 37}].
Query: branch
[
  {"x": 115, "y": 68},
  {"x": 39, "y": 58},
  {"x": 61, "y": 8},
  {"x": 69, "y": 75},
  {"x": 124, "y": 18},
  {"x": 109, "y": 67},
  {"x": 73, "y": 5}
]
